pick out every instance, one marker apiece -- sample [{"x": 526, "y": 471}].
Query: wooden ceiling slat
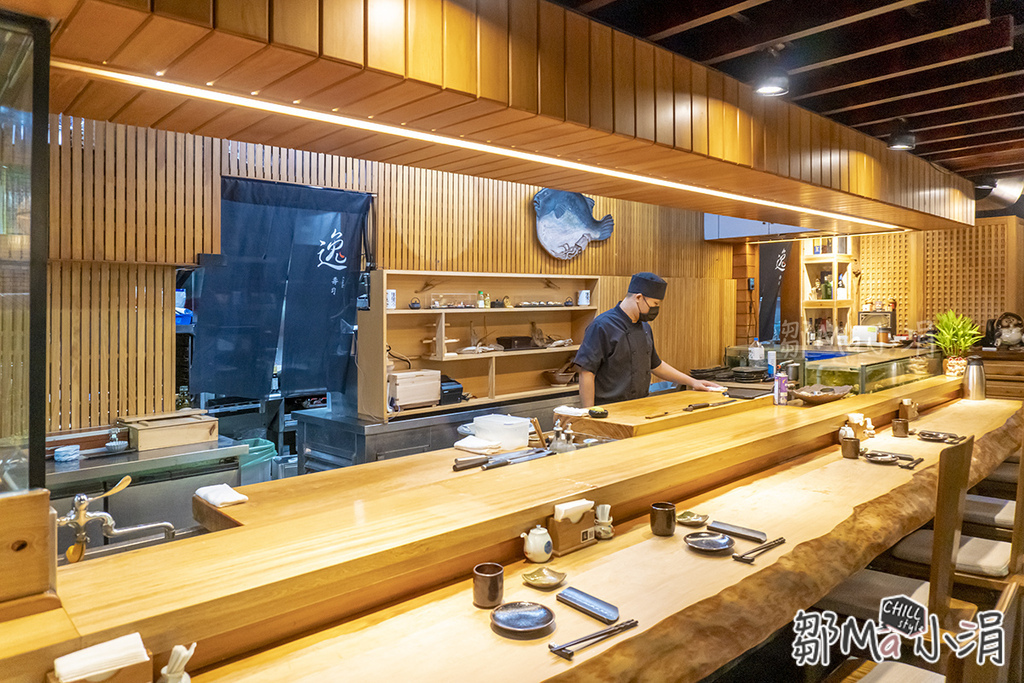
[
  {"x": 230, "y": 122},
  {"x": 302, "y": 134},
  {"x": 443, "y": 120},
  {"x": 191, "y": 116},
  {"x": 263, "y": 68},
  {"x": 962, "y": 130},
  {"x": 157, "y": 44},
  {"x": 308, "y": 79},
  {"x": 980, "y": 112},
  {"x": 663, "y": 18},
  {"x": 401, "y": 93},
  {"x": 336, "y": 142},
  {"x": 966, "y": 45},
  {"x": 777, "y": 22},
  {"x": 360, "y": 86},
  {"x": 148, "y": 108},
  {"x": 101, "y": 99},
  {"x": 426, "y": 106},
  {"x": 64, "y": 88},
  {"x": 969, "y": 142},
  {"x": 211, "y": 57},
  {"x": 958, "y": 98},
  {"x": 196, "y": 11},
  {"x": 96, "y": 30},
  {"x": 1015, "y": 143}
]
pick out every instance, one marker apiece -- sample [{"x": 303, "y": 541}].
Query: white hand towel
[
  {"x": 474, "y": 444},
  {"x": 104, "y": 658},
  {"x": 569, "y": 410},
  {"x": 221, "y": 495}
]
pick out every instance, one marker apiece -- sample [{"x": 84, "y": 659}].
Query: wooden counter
[
  {"x": 326, "y": 546},
  {"x": 441, "y": 636},
  {"x": 644, "y": 415}
]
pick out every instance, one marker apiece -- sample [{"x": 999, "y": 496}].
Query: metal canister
[{"x": 974, "y": 379}]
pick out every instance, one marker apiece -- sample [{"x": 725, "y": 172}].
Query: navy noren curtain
[{"x": 278, "y": 238}]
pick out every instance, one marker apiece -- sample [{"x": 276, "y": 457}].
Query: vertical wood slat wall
[
  {"x": 129, "y": 204},
  {"x": 974, "y": 271}
]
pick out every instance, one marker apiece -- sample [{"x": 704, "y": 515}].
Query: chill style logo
[{"x": 899, "y": 618}]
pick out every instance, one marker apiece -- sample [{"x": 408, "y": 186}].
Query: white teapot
[{"x": 537, "y": 545}]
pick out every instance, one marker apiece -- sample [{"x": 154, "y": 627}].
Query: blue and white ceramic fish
[{"x": 566, "y": 223}]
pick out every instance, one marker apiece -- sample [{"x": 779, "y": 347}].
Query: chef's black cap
[{"x": 648, "y": 284}]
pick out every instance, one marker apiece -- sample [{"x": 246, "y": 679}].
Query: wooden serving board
[
  {"x": 630, "y": 418},
  {"x": 171, "y": 429}
]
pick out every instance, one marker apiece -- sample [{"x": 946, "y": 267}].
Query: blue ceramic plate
[
  {"x": 709, "y": 541},
  {"x": 522, "y": 618}
]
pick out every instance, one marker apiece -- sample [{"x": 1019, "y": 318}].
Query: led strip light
[{"x": 459, "y": 143}]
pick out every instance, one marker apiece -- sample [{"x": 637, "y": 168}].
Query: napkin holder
[
  {"x": 141, "y": 672},
  {"x": 860, "y": 430},
  {"x": 908, "y": 412},
  {"x": 567, "y": 537}
]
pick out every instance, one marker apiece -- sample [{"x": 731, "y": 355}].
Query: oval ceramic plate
[
  {"x": 544, "y": 577},
  {"x": 691, "y": 518},
  {"x": 522, "y": 618},
  {"x": 709, "y": 541},
  {"x": 881, "y": 458},
  {"x": 936, "y": 437}
]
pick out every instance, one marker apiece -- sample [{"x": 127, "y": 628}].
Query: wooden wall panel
[
  {"x": 886, "y": 274},
  {"x": 151, "y": 200}
]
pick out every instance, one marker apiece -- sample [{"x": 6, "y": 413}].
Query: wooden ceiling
[
  {"x": 953, "y": 68},
  {"x": 518, "y": 74}
]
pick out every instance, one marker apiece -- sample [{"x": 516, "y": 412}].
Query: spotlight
[
  {"x": 773, "y": 81},
  {"x": 985, "y": 182},
  {"x": 902, "y": 138}
]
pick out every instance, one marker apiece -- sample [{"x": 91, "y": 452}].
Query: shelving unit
[
  {"x": 838, "y": 265},
  {"x": 429, "y": 337}
]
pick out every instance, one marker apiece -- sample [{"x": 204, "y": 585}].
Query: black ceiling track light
[
  {"x": 773, "y": 79},
  {"x": 902, "y": 138}
]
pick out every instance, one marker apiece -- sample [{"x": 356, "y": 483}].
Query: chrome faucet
[{"x": 79, "y": 516}]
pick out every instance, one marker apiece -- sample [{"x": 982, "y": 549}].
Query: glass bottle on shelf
[
  {"x": 816, "y": 292},
  {"x": 182, "y": 400},
  {"x": 826, "y": 286},
  {"x": 826, "y": 245},
  {"x": 816, "y": 246}
]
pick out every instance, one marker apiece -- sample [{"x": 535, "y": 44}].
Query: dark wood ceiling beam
[
  {"x": 659, "y": 19},
  {"x": 957, "y": 131},
  {"x": 986, "y": 163},
  {"x": 968, "y": 142},
  {"x": 924, "y": 83},
  {"x": 781, "y": 21},
  {"x": 958, "y": 98},
  {"x": 971, "y": 44},
  {"x": 964, "y": 116},
  {"x": 1011, "y": 141}
]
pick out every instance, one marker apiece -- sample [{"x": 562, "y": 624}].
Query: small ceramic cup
[
  {"x": 488, "y": 584},
  {"x": 850, "y": 448},
  {"x": 900, "y": 428},
  {"x": 663, "y": 519}
]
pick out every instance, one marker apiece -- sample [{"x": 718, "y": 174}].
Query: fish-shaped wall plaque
[{"x": 566, "y": 223}]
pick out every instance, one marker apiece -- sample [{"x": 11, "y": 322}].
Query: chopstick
[
  {"x": 565, "y": 651},
  {"x": 748, "y": 557}
]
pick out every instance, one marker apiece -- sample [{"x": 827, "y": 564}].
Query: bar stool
[
  {"x": 860, "y": 595},
  {"x": 993, "y": 514}
]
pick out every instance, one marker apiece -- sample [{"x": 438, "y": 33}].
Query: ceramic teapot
[{"x": 537, "y": 545}]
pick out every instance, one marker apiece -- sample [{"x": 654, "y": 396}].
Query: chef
[{"x": 617, "y": 356}]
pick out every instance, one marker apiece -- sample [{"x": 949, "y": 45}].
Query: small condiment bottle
[
  {"x": 603, "y": 529},
  {"x": 568, "y": 440},
  {"x": 537, "y": 544}
]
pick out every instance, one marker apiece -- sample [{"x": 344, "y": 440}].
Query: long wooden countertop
[
  {"x": 441, "y": 636},
  {"x": 329, "y": 545}
]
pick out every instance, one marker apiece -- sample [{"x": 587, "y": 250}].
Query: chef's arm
[
  {"x": 586, "y": 388},
  {"x": 667, "y": 372}
]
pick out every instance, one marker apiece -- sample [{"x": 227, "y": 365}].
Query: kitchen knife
[
  {"x": 697, "y": 406},
  {"x": 515, "y": 461},
  {"x": 476, "y": 460},
  {"x": 742, "y": 532}
]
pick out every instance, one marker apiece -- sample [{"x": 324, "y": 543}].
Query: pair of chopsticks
[
  {"x": 566, "y": 651},
  {"x": 748, "y": 557}
]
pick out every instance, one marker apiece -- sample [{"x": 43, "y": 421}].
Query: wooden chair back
[
  {"x": 1017, "y": 537},
  {"x": 954, "y": 476}
]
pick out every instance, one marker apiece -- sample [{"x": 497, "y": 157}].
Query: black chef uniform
[{"x": 621, "y": 355}]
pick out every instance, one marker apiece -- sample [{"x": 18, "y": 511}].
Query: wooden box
[
  {"x": 170, "y": 429},
  {"x": 567, "y": 537},
  {"x": 27, "y": 554}
]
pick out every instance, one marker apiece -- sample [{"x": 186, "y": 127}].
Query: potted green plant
[{"x": 955, "y": 335}]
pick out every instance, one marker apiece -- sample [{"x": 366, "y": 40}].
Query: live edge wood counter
[{"x": 339, "y": 543}]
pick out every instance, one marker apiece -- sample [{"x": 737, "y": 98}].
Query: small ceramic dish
[
  {"x": 936, "y": 437},
  {"x": 522, "y": 620},
  {"x": 116, "y": 446},
  {"x": 544, "y": 577},
  {"x": 709, "y": 541},
  {"x": 819, "y": 393},
  {"x": 880, "y": 458},
  {"x": 691, "y": 518}
]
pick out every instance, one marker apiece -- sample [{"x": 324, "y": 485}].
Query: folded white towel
[
  {"x": 221, "y": 495},
  {"x": 108, "y": 657},
  {"x": 572, "y": 412},
  {"x": 474, "y": 444}
]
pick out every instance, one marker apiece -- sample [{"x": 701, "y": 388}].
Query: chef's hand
[{"x": 703, "y": 385}]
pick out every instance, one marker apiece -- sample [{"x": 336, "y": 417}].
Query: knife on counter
[
  {"x": 468, "y": 462},
  {"x": 541, "y": 453},
  {"x": 689, "y": 409}
]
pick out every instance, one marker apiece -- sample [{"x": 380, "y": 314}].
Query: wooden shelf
[
  {"x": 506, "y": 311},
  {"x": 828, "y": 303},
  {"x": 825, "y": 259},
  {"x": 500, "y": 354},
  {"x": 475, "y": 402}
]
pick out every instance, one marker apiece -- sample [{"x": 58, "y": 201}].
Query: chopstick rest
[
  {"x": 588, "y": 604},
  {"x": 748, "y": 557},
  {"x": 739, "y": 531}
]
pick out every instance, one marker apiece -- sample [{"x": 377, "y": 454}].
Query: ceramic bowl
[
  {"x": 814, "y": 395},
  {"x": 691, "y": 518},
  {"x": 544, "y": 577},
  {"x": 116, "y": 446}
]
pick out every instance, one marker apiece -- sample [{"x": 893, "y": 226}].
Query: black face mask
[{"x": 651, "y": 314}]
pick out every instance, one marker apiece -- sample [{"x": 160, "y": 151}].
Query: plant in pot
[{"x": 955, "y": 335}]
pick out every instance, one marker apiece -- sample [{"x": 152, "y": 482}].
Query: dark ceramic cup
[
  {"x": 850, "y": 448},
  {"x": 663, "y": 519},
  {"x": 901, "y": 428},
  {"x": 488, "y": 584}
]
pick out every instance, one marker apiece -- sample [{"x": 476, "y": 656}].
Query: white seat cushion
[
  {"x": 976, "y": 556},
  {"x": 1006, "y": 473},
  {"x": 989, "y": 511},
  {"x": 861, "y": 594},
  {"x": 900, "y": 673}
]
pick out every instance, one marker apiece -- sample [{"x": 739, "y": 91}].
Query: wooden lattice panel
[
  {"x": 885, "y": 274},
  {"x": 965, "y": 270}
]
